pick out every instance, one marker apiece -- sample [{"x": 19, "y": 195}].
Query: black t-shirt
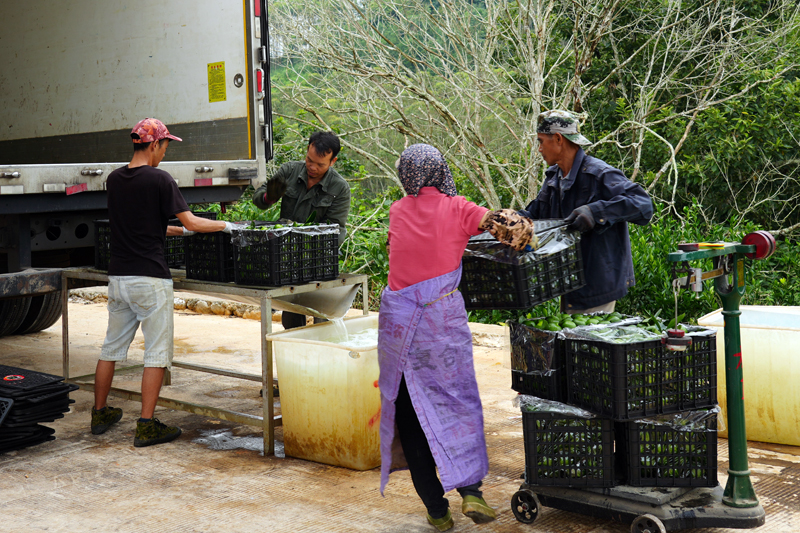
[{"x": 141, "y": 201}]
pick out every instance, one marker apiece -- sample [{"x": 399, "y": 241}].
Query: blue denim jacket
[{"x": 606, "y": 249}]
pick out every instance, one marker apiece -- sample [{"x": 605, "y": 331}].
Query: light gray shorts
[{"x": 139, "y": 299}]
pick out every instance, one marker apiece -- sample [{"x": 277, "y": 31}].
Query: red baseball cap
[{"x": 151, "y": 130}]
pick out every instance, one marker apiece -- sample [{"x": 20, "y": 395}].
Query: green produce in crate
[{"x": 560, "y": 321}]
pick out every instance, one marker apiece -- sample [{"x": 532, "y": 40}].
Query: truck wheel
[
  {"x": 45, "y": 310},
  {"x": 12, "y": 312}
]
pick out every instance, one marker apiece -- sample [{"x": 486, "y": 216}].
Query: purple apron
[{"x": 423, "y": 334}]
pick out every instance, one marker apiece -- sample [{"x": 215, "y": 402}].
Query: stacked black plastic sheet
[{"x": 28, "y": 399}]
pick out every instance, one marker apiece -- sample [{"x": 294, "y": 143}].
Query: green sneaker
[
  {"x": 154, "y": 432},
  {"x": 477, "y": 509},
  {"x": 442, "y": 524},
  {"x": 104, "y": 419}
]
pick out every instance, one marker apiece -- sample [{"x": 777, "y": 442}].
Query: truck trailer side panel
[{"x": 77, "y": 75}]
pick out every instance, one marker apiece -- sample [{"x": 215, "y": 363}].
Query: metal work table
[{"x": 87, "y": 277}]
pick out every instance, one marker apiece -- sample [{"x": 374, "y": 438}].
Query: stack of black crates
[
  {"x": 623, "y": 385},
  {"x": 27, "y": 400},
  {"x": 268, "y": 258},
  {"x": 265, "y": 257}
]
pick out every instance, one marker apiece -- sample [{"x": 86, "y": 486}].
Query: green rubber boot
[
  {"x": 478, "y": 510},
  {"x": 442, "y": 524}
]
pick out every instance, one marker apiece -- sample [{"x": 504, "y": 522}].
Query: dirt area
[{"x": 215, "y": 479}]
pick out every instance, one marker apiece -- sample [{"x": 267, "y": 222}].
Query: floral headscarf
[{"x": 422, "y": 165}]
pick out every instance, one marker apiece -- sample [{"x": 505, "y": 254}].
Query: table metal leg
[
  {"x": 365, "y": 297},
  {"x": 65, "y": 325},
  {"x": 266, "y": 376}
]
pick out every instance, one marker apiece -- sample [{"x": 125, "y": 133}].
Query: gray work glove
[
  {"x": 581, "y": 219},
  {"x": 230, "y": 226},
  {"x": 186, "y": 232}
]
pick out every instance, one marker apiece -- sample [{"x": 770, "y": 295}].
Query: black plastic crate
[
  {"x": 272, "y": 263},
  {"x": 537, "y": 362},
  {"x": 274, "y": 259},
  {"x": 173, "y": 251},
  {"x": 663, "y": 456},
  {"x": 209, "y": 256},
  {"x": 319, "y": 257},
  {"x": 637, "y": 380},
  {"x": 102, "y": 244},
  {"x": 568, "y": 450},
  {"x": 524, "y": 281},
  {"x": 173, "y": 246}
]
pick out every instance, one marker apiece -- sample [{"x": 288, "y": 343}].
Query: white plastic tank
[
  {"x": 771, "y": 371},
  {"x": 330, "y": 400}
]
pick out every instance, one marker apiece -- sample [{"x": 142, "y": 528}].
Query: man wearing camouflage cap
[{"x": 597, "y": 200}]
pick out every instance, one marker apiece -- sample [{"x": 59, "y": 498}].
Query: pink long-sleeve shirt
[{"x": 428, "y": 234}]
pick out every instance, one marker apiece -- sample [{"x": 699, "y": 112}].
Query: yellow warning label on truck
[{"x": 216, "y": 82}]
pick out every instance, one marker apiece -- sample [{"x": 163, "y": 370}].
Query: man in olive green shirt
[
  {"x": 306, "y": 187},
  {"x": 310, "y": 185}
]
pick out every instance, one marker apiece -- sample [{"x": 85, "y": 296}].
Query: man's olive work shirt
[{"x": 330, "y": 198}]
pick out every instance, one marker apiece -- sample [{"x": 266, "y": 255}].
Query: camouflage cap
[
  {"x": 151, "y": 130},
  {"x": 563, "y": 122}
]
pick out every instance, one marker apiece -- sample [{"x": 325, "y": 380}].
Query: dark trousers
[
  {"x": 420, "y": 460},
  {"x": 295, "y": 320}
]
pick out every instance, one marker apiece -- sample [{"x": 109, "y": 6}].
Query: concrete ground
[{"x": 214, "y": 478}]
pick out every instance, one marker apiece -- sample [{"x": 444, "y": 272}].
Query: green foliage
[
  {"x": 653, "y": 295},
  {"x": 244, "y": 209},
  {"x": 365, "y": 249}
]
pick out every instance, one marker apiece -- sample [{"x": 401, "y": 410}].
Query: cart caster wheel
[
  {"x": 647, "y": 523},
  {"x": 525, "y": 506}
]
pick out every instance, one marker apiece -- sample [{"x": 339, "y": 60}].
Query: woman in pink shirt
[{"x": 432, "y": 418}]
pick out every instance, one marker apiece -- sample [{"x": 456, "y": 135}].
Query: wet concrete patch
[{"x": 223, "y": 439}]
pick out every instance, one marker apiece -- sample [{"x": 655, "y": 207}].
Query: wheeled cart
[{"x": 648, "y": 510}]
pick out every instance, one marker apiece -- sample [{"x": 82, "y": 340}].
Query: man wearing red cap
[{"x": 141, "y": 200}]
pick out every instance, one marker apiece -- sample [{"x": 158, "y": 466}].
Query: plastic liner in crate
[
  {"x": 677, "y": 450},
  {"x": 495, "y": 276},
  {"x": 272, "y": 257},
  {"x": 537, "y": 362},
  {"x": 629, "y": 380},
  {"x": 565, "y": 446},
  {"x": 209, "y": 257}
]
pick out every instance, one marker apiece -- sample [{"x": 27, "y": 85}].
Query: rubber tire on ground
[
  {"x": 525, "y": 506},
  {"x": 45, "y": 310},
  {"x": 647, "y": 523},
  {"x": 12, "y": 312}
]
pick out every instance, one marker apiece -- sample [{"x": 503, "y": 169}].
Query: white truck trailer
[{"x": 74, "y": 78}]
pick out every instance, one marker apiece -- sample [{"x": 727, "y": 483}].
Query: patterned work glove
[
  {"x": 581, "y": 219},
  {"x": 511, "y": 229}
]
